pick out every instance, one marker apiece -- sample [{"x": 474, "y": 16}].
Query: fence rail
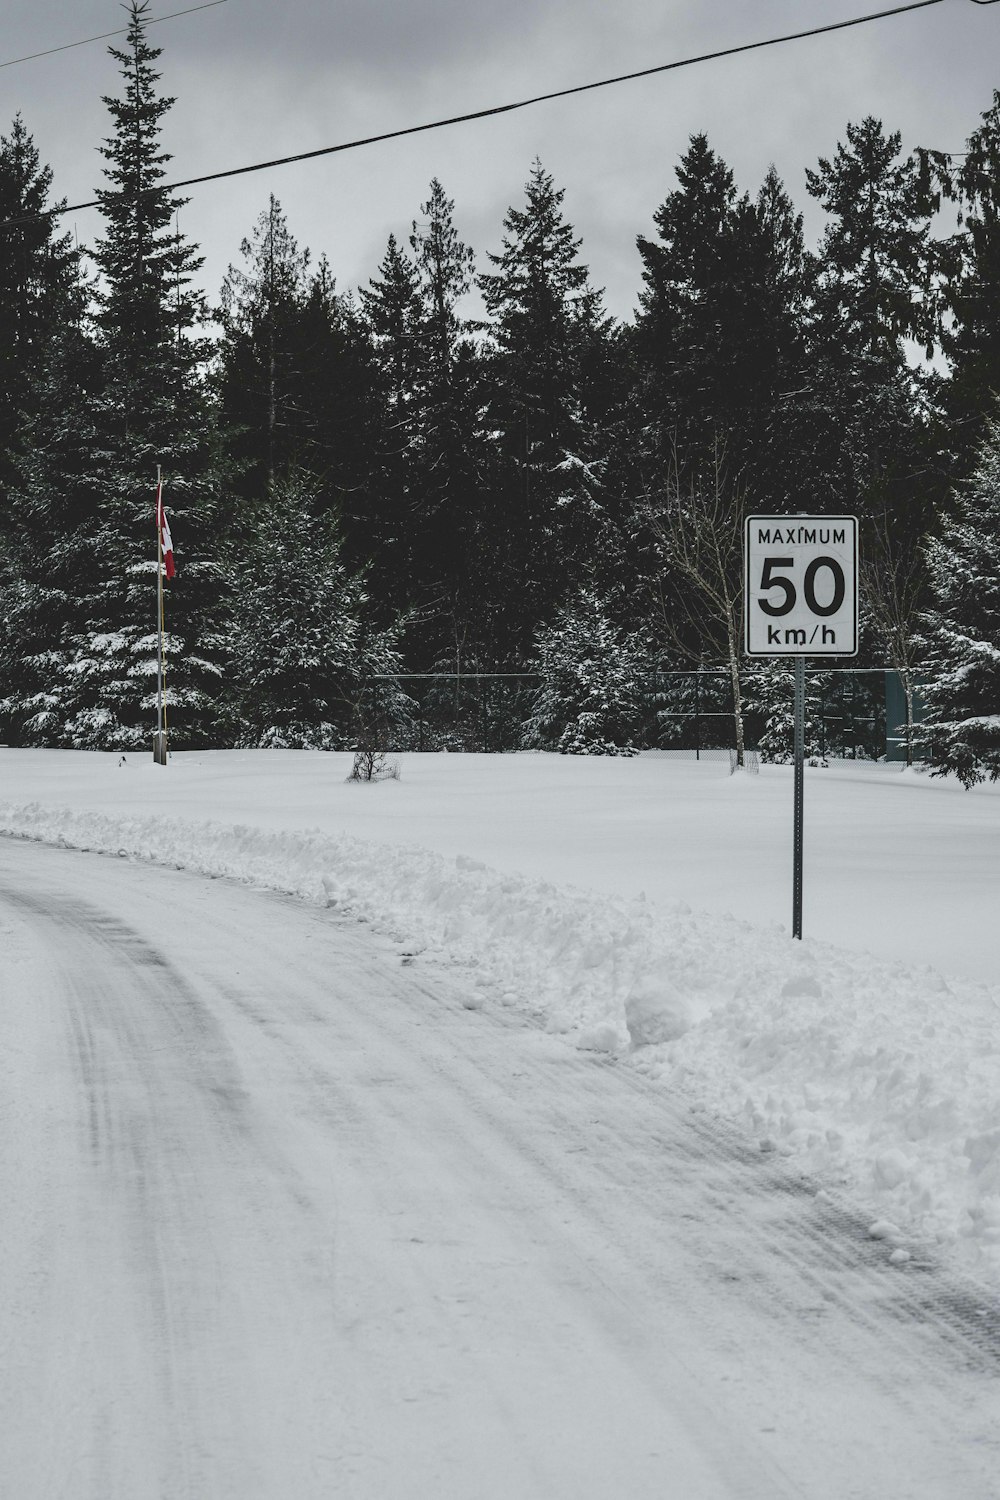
[{"x": 682, "y": 710}]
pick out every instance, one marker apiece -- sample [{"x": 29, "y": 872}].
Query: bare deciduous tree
[
  {"x": 700, "y": 532},
  {"x": 893, "y": 581}
]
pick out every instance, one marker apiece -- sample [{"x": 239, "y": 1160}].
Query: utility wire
[
  {"x": 152, "y": 21},
  {"x": 498, "y": 109}
]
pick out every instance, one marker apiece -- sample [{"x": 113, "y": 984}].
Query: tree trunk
[
  {"x": 907, "y": 677},
  {"x": 734, "y": 673}
]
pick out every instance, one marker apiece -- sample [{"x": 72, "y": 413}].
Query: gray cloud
[{"x": 255, "y": 80}]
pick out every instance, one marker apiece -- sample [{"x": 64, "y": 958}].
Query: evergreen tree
[
  {"x": 770, "y": 696},
  {"x": 547, "y": 331},
  {"x": 338, "y": 405},
  {"x": 719, "y": 335},
  {"x": 49, "y": 548},
  {"x": 295, "y": 377},
  {"x": 37, "y": 275},
  {"x": 688, "y": 321},
  {"x": 591, "y": 698},
  {"x": 304, "y": 655},
  {"x": 870, "y": 294},
  {"x": 970, "y": 263},
  {"x": 872, "y": 267},
  {"x": 962, "y": 631},
  {"x": 391, "y": 308},
  {"x": 153, "y": 410},
  {"x": 261, "y": 316},
  {"x": 771, "y": 427},
  {"x": 447, "y": 480}
]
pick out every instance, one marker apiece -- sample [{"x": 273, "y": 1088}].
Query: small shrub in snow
[{"x": 374, "y": 765}]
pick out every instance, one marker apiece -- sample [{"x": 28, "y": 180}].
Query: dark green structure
[{"x": 895, "y": 715}]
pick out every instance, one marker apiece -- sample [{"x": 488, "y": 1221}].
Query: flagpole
[{"x": 160, "y": 743}]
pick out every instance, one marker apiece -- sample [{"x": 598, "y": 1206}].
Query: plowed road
[{"x": 282, "y": 1219}]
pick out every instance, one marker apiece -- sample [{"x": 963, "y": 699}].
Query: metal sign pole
[
  {"x": 800, "y": 736},
  {"x": 800, "y": 598}
]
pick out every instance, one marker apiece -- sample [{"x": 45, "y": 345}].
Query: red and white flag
[{"x": 163, "y": 526}]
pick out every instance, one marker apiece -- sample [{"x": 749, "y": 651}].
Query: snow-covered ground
[{"x": 638, "y": 909}]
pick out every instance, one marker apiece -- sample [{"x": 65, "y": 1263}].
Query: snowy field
[{"x": 638, "y": 910}]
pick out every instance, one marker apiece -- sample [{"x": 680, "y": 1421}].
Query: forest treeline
[{"x": 365, "y": 482}]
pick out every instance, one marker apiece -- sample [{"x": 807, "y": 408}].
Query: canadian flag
[{"x": 163, "y": 525}]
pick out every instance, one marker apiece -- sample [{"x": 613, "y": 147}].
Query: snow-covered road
[{"x": 284, "y": 1218}]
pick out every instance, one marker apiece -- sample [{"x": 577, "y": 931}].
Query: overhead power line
[
  {"x": 104, "y": 35},
  {"x": 502, "y": 109}
]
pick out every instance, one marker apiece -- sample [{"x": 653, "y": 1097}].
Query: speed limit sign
[
  {"x": 800, "y": 598},
  {"x": 800, "y": 589}
]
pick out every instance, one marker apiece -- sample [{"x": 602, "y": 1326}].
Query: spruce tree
[
  {"x": 153, "y": 411},
  {"x": 962, "y": 631}
]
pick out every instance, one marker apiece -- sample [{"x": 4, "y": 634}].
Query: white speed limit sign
[{"x": 800, "y": 586}]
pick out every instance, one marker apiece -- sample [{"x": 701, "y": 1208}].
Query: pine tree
[
  {"x": 548, "y": 332},
  {"x": 153, "y": 411},
  {"x": 591, "y": 698},
  {"x": 962, "y": 631}
]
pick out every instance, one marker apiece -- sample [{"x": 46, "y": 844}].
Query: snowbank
[{"x": 881, "y": 1079}]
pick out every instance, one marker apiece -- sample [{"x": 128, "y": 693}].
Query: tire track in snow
[
  {"x": 507, "y": 1268},
  {"x": 807, "y": 1258}
]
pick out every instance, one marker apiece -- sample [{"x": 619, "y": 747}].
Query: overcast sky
[{"x": 256, "y": 79}]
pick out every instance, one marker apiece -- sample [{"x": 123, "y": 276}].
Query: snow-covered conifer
[
  {"x": 305, "y": 659},
  {"x": 592, "y": 695},
  {"x": 962, "y": 631},
  {"x": 770, "y": 695},
  {"x": 38, "y": 269},
  {"x": 546, "y": 329},
  {"x": 153, "y": 410}
]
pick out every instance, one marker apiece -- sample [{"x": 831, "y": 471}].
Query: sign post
[{"x": 800, "y": 598}]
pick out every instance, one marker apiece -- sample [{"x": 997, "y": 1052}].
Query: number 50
[{"x": 769, "y": 579}]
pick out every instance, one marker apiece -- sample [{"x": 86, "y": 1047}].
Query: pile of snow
[{"x": 879, "y": 1078}]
